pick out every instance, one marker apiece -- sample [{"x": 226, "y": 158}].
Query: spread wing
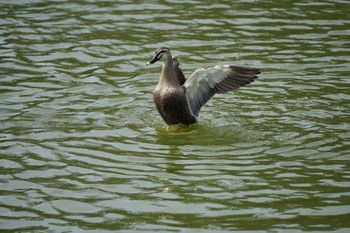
[{"x": 205, "y": 82}]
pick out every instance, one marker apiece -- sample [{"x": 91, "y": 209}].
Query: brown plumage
[{"x": 178, "y": 72}]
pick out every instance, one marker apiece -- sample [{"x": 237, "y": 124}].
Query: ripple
[{"x": 72, "y": 207}]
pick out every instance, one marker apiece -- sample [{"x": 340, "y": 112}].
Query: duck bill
[{"x": 154, "y": 59}]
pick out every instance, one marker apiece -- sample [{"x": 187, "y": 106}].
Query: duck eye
[{"x": 159, "y": 54}]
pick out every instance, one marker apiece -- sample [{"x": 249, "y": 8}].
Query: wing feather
[{"x": 205, "y": 82}]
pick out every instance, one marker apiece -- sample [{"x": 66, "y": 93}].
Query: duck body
[
  {"x": 172, "y": 105},
  {"x": 179, "y": 101},
  {"x": 169, "y": 95}
]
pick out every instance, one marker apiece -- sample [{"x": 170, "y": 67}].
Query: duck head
[{"x": 161, "y": 54}]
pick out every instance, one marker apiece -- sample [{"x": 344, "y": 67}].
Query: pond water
[{"x": 83, "y": 148}]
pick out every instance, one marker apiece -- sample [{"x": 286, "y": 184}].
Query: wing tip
[{"x": 246, "y": 70}]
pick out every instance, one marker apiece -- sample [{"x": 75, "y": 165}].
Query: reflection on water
[{"x": 84, "y": 150}]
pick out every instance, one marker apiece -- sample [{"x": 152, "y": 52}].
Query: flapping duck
[{"x": 179, "y": 101}]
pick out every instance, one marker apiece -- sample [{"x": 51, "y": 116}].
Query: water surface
[{"x": 84, "y": 150}]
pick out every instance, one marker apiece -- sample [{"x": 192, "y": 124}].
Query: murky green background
[{"x": 83, "y": 148}]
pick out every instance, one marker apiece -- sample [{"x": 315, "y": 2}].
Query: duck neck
[{"x": 167, "y": 77}]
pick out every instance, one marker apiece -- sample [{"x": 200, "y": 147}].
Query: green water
[{"x": 83, "y": 149}]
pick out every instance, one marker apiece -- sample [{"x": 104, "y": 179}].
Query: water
[{"x": 84, "y": 150}]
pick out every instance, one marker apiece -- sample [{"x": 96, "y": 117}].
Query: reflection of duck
[{"x": 179, "y": 102}]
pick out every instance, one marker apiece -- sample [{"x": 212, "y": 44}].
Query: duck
[{"x": 179, "y": 100}]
